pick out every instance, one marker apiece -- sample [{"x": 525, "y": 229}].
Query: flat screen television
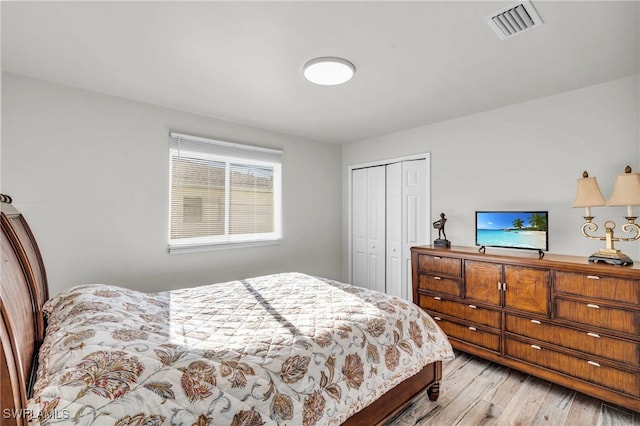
[{"x": 513, "y": 229}]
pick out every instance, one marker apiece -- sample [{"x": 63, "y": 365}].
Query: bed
[{"x": 279, "y": 349}]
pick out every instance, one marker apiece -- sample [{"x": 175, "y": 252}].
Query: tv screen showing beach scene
[{"x": 525, "y": 230}]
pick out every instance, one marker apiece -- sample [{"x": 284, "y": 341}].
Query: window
[
  {"x": 222, "y": 193},
  {"x": 192, "y": 209}
]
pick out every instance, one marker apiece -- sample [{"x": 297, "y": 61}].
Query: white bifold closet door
[
  {"x": 389, "y": 215},
  {"x": 393, "y": 278},
  {"x": 369, "y": 225}
]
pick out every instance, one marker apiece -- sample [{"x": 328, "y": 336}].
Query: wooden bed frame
[{"x": 24, "y": 290}]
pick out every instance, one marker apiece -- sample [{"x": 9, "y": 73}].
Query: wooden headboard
[{"x": 22, "y": 294}]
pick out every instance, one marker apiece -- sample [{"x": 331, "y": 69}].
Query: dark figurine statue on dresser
[{"x": 439, "y": 225}]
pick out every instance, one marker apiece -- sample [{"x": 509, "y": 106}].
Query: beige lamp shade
[
  {"x": 588, "y": 193},
  {"x": 626, "y": 191}
]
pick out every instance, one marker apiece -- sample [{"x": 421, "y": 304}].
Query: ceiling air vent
[{"x": 514, "y": 19}]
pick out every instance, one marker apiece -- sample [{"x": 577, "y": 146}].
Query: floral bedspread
[{"x": 280, "y": 349}]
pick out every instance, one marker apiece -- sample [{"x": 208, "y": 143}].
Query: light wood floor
[{"x": 478, "y": 392}]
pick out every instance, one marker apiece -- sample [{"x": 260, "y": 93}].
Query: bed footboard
[{"x": 394, "y": 401}]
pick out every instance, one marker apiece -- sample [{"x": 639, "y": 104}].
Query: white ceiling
[{"x": 417, "y": 62}]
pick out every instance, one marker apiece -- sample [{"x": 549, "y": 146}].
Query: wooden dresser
[{"x": 559, "y": 318}]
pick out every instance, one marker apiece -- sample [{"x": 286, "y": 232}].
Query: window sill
[{"x": 192, "y": 248}]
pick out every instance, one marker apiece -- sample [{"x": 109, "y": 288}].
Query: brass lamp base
[
  {"x": 614, "y": 257},
  {"x": 610, "y": 254}
]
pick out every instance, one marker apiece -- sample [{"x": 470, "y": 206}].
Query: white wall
[
  {"x": 525, "y": 156},
  {"x": 90, "y": 172}
]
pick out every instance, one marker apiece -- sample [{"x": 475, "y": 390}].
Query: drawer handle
[
  {"x": 536, "y": 347},
  {"x": 437, "y": 298},
  {"x": 593, "y": 277},
  {"x": 473, "y": 329},
  {"x": 437, "y": 257},
  {"x": 536, "y": 322},
  {"x": 437, "y": 318},
  {"x": 595, "y": 364},
  {"x": 593, "y": 335},
  {"x": 437, "y": 278},
  {"x": 594, "y": 306},
  {"x": 473, "y": 306}
]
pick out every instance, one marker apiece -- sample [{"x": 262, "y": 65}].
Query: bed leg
[{"x": 434, "y": 391}]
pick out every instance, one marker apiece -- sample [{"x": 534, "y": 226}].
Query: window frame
[{"x": 234, "y": 157}]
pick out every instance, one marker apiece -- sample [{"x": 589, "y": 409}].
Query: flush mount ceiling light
[{"x": 329, "y": 71}]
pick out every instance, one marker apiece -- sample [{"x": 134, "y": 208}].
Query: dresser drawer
[
  {"x": 589, "y": 342},
  {"x": 468, "y": 334},
  {"x": 596, "y": 315},
  {"x": 464, "y": 311},
  {"x": 440, "y": 265},
  {"x": 583, "y": 368},
  {"x": 598, "y": 286},
  {"x": 440, "y": 284}
]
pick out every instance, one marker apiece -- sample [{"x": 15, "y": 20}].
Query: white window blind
[{"x": 222, "y": 193}]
